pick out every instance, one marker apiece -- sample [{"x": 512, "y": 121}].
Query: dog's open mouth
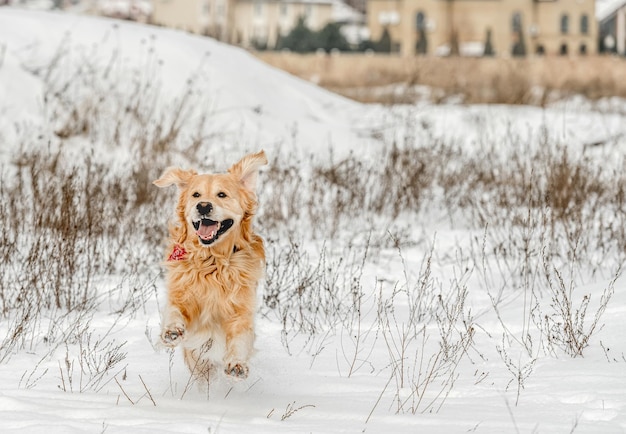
[{"x": 209, "y": 231}]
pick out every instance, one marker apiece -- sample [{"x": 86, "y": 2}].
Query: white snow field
[{"x": 437, "y": 318}]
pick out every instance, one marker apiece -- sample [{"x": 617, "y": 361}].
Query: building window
[
  {"x": 540, "y": 51},
  {"x": 564, "y": 24},
  {"x": 420, "y": 21},
  {"x": 206, "y": 7},
  {"x": 284, "y": 8},
  {"x": 516, "y": 23},
  {"x": 584, "y": 24},
  {"x": 258, "y": 8},
  {"x": 421, "y": 45},
  {"x": 583, "y": 49},
  {"x": 519, "y": 46},
  {"x": 563, "y": 50}
]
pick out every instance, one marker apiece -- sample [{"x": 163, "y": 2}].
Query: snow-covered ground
[{"x": 356, "y": 373}]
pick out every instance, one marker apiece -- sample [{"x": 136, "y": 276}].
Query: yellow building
[
  {"x": 468, "y": 27},
  {"x": 245, "y": 22}
]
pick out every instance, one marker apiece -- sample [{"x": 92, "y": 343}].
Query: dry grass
[{"x": 473, "y": 80}]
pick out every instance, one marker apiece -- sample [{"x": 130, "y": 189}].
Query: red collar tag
[{"x": 178, "y": 254}]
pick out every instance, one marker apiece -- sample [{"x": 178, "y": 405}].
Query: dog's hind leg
[
  {"x": 239, "y": 348},
  {"x": 198, "y": 361}
]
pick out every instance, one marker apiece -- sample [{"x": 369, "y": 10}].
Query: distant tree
[
  {"x": 367, "y": 45},
  {"x": 331, "y": 38},
  {"x": 384, "y": 43},
  {"x": 300, "y": 39}
]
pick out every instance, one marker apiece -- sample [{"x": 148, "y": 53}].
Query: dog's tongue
[{"x": 206, "y": 232}]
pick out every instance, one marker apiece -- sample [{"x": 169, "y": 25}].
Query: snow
[
  {"x": 604, "y": 8},
  {"x": 134, "y": 10},
  {"x": 334, "y": 382}
]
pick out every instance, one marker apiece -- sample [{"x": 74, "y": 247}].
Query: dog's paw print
[
  {"x": 172, "y": 335},
  {"x": 237, "y": 370}
]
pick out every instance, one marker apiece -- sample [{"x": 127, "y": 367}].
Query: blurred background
[{"x": 509, "y": 52}]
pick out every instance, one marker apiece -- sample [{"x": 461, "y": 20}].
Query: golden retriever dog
[{"x": 214, "y": 263}]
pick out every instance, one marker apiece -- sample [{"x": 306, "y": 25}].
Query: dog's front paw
[
  {"x": 237, "y": 370},
  {"x": 172, "y": 335}
]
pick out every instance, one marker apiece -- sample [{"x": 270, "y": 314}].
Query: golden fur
[{"x": 212, "y": 281}]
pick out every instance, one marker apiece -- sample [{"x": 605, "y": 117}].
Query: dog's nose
[{"x": 204, "y": 208}]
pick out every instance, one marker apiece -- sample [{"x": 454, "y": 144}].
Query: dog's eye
[
  {"x": 221, "y": 195},
  {"x": 196, "y": 194}
]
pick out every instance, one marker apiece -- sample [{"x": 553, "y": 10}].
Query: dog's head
[{"x": 215, "y": 207}]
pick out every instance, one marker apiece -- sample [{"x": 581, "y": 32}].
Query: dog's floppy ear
[
  {"x": 175, "y": 175},
  {"x": 247, "y": 169}
]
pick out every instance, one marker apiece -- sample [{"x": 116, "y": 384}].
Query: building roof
[
  {"x": 606, "y": 8},
  {"x": 324, "y": 2}
]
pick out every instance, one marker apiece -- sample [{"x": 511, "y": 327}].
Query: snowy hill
[{"x": 265, "y": 103}]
